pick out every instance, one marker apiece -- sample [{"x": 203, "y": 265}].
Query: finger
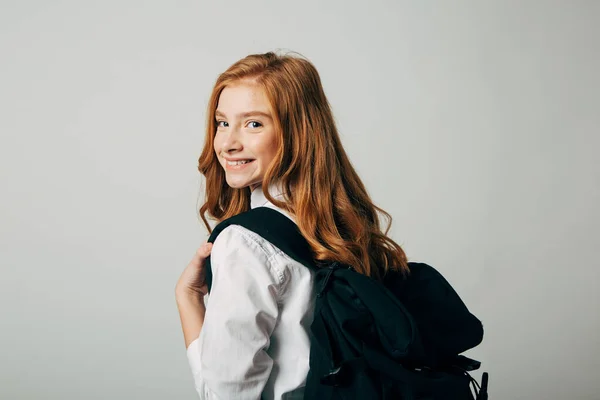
[{"x": 204, "y": 250}]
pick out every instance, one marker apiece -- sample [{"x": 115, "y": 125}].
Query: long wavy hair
[{"x": 320, "y": 186}]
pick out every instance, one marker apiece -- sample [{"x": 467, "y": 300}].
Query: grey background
[{"x": 475, "y": 124}]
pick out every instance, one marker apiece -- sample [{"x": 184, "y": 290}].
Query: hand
[{"x": 192, "y": 281}]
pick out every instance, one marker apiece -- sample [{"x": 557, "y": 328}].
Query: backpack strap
[{"x": 274, "y": 227}]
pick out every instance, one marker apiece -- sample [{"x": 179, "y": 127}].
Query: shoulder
[
  {"x": 236, "y": 238},
  {"x": 239, "y": 251}
]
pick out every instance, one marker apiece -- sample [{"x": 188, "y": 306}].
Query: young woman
[{"x": 271, "y": 141}]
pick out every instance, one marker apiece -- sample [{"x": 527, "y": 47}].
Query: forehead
[{"x": 242, "y": 97}]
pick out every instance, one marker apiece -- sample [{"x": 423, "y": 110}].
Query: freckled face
[{"x": 245, "y": 142}]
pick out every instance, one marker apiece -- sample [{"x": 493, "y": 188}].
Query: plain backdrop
[{"x": 475, "y": 124}]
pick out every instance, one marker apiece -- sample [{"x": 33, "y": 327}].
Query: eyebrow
[{"x": 246, "y": 114}]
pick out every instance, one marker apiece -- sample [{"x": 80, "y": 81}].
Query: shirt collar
[{"x": 258, "y": 198}]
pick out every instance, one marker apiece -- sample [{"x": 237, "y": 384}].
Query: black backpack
[{"x": 396, "y": 339}]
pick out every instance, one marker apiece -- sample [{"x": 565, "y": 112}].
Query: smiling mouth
[
  {"x": 240, "y": 162},
  {"x": 237, "y": 165}
]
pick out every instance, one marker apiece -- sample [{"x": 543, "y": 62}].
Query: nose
[{"x": 231, "y": 142}]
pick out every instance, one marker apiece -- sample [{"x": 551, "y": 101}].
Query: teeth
[{"x": 232, "y": 163}]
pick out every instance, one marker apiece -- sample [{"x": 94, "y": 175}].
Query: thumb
[{"x": 204, "y": 250}]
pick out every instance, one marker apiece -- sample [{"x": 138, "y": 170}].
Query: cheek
[
  {"x": 266, "y": 153},
  {"x": 270, "y": 148},
  {"x": 216, "y": 145},
  {"x": 273, "y": 151}
]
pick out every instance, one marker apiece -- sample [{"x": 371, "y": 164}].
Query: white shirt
[{"x": 254, "y": 343}]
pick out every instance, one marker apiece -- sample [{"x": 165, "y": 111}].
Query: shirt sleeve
[{"x": 229, "y": 359}]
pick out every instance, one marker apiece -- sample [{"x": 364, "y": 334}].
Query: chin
[{"x": 237, "y": 183}]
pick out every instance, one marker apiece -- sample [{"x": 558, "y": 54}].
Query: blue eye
[
  {"x": 257, "y": 124},
  {"x": 222, "y": 124}
]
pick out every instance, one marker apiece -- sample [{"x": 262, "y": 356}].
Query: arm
[
  {"x": 189, "y": 294},
  {"x": 229, "y": 358},
  {"x": 191, "y": 313}
]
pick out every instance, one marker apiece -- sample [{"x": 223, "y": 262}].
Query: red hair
[{"x": 321, "y": 189}]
